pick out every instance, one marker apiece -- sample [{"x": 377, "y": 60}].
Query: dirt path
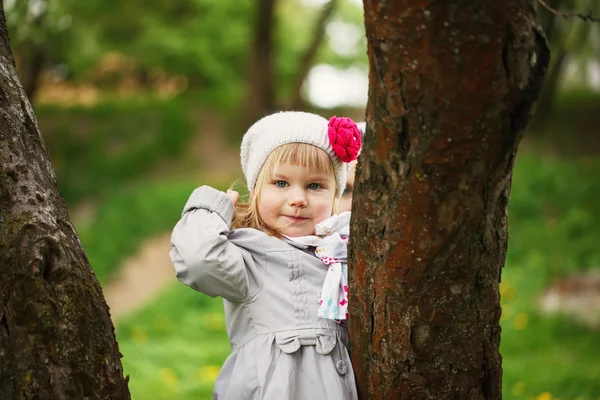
[
  {"x": 147, "y": 273},
  {"x": 141, "y": 277}
]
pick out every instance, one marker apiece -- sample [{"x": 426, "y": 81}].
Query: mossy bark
[
  {"x": 57, "y": 340},
  {"x": 452, "y": 85}
]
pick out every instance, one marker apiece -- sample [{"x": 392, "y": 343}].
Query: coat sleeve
[{"x": 202, "y": 255}]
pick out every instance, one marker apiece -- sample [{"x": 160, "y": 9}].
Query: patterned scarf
[{"x": 331, "y": 245}]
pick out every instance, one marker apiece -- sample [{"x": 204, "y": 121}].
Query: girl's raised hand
[{"x": 233, "y": 195}]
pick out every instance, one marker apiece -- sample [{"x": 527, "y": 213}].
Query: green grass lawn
[
  {"x": 174, "y": 348},
  {"x": 543, "y": 356}
]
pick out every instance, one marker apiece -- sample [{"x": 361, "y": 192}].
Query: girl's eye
[
  {"x": 314, "y": 186},
  {"x": 281, "y": 184}
]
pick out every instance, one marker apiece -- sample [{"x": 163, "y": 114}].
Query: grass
[
  {"x": 543, "y": 354},
  {"x": 174, "y": 348},
  {"x": 553, "y": 226}
]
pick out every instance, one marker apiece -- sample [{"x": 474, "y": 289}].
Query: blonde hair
[{"x": 304, "y": 154}]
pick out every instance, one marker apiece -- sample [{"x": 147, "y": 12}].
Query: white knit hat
[{"x": 285, "y": 127}]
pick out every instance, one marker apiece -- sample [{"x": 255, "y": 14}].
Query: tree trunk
[
  {"x": 307, "y": 59},
  {"x": 31, "y": 65},
  {"x": 260, "y": 100},
  {"x": 452, "y": 85},
  {"x": 32, "y": 55},
  {"x": 545, "y": 105},
  {"x": 56, "y": 337}
]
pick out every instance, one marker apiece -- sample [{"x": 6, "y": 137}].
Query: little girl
[{"x": 282, "y": 270}]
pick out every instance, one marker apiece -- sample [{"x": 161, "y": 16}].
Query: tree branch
[
  {"x": 588, "y": 17},
  {"x": 309, "y": 55}
]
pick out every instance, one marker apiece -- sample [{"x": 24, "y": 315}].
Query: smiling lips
[{"x": 295, "y": 218}]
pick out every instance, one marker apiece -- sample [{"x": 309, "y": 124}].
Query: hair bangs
[{"x": 302, "y": 154}]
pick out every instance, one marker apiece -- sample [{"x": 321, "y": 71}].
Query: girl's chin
[{"x": 297, "y": 232}]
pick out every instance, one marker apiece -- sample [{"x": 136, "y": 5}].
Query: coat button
[{"x": 341, "y": 367}]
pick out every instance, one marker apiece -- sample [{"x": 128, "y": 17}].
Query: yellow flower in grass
[
  {"x": 162, "y": 323},
  {"x": 168, "y": 376},
  {"x": 507, "y": 291},
  {"x": 544, "y": 396},
  {"x": 209, "y": 373},
  {"x": 521, "y": 321},
  {"x": 138, "y": 335},
  {"x": 506, "y": 312},
  {"x": 215, "y": 321},
  {"x": 518, "y": 388}
]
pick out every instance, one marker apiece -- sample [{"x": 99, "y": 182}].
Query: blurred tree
[
  {"x": 32, "y": 55},
  {"x": 308, "y": 58},
  {"x": 104, "y": 42},
  {"x": 569, "y": 38},
  {"x": 451, "y": 90},
  {"x": 56, "y": 335},
  {"x": 40, "y": 33},
  {"x": 260, "y": 99}
]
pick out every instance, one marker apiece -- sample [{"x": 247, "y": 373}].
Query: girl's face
[{"x": 295, "y": 198}]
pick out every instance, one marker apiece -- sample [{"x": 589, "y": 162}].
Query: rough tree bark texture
[
  {"x": 452, "y": 85},
  {"x": 56, "y": 337}
]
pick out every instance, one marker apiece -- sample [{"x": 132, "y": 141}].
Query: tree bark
[
  {"x": 261, "y": 99},
  {"x": 307, "y": 59},
  {"x": 452, "y": 86},
  {"x": 57, "y": 340}
]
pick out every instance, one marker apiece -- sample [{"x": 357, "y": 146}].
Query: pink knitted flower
[{"x": 345, "y": 138}]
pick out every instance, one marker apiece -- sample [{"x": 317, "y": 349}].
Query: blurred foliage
[
  {"x": 571, "y": 34},
  {"x": 128, "y": 217},
  {"x": 43, "y": 23},
  {"x": 569, "y": 129},
  {"x": 294, "y": 34},
  {"x": 96, "y": 149},
  {"x": 206, "y": 41},
  {"x": 554, "y": 213}
]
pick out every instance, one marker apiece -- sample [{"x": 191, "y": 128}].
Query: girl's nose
[{"x": 297, "y": 198}]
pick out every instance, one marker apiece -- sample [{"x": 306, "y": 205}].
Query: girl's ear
[{"x": 252, "y": 193}]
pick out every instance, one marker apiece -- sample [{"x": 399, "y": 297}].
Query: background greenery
[{"x": 130, "y": 89}]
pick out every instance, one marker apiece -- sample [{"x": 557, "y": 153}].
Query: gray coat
[{"x": 281, "y": 349}]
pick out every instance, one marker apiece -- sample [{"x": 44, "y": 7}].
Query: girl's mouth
[{"x": 295, "y": 218}]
